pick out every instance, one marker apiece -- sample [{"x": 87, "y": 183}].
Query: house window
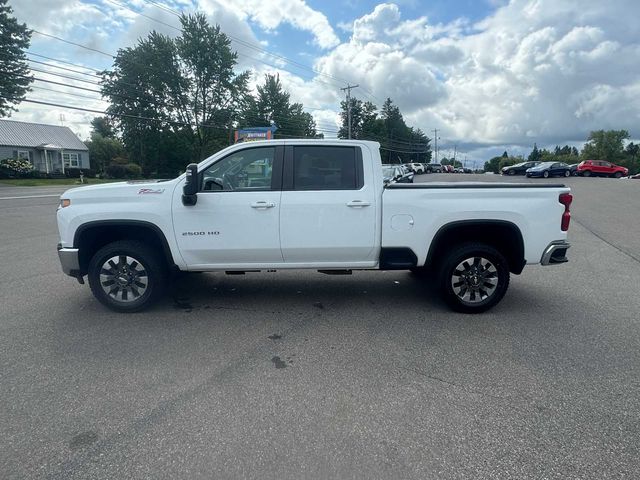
[
  {"x": 71, "y": 160},
  {"x": 23, "y": 155}
]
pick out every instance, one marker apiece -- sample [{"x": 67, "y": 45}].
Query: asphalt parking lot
[{"x": 302, "y": 375}]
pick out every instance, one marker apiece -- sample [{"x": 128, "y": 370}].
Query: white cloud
[
  {"x": 270, "y": 15},
  {"x": 534, "y": 71}
]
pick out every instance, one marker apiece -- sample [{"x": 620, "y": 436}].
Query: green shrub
[
  {"x": 115, "y": 171},
  {"x": 75, "y": 172},
  {"x": 133, "y": 170},
  {"x": 130, "y": 170},
  {"x": 15, "y": 168}
]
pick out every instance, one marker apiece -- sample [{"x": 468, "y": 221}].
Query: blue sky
[{"x": 491, "y": 75}]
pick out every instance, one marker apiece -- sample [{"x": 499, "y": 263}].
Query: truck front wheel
[
  {"x": 126, "y": 276},
  {"x": 473, "y": 277}
]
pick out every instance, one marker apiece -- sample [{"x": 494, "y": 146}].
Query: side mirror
[{"x": 190, "y": 189}]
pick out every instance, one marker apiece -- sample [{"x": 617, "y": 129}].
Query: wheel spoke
[
  {"x": 474, "y": 279},
  {"x": 123, "y": 278}
]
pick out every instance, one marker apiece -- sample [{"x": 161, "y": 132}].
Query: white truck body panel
[
  {"x": 537, "y": 214},
  {"x": 311, "y": 229}
]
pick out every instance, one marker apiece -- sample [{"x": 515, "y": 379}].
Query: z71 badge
[{"x": 144, "y": 191}]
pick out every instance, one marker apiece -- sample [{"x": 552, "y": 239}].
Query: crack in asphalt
[{"x": 620, "y": 249}]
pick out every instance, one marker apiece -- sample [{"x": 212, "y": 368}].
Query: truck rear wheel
[
  {"x": 473, "y": 277},
  {"x": 126, "y": 276}
]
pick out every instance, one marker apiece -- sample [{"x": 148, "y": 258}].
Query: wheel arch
[
  {"x": 503, "y": 235},
  {"x": 91, "y": 236}
]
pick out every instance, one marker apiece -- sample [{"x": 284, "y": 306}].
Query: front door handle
[
  {"x": 358, "y": 203},
  {"x": 263, "y": 204}
]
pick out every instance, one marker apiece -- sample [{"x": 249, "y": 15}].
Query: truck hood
[{"x": 121, "y": 189}]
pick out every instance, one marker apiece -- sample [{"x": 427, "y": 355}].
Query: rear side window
[{"x": 326, "y": 168}]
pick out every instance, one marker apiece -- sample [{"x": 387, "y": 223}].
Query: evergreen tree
[
  {"x": 399, "y": 143},
  {"x": 103, "y": 126},
  {"x": 535, "y": 155},
  {"x": 272, "y": 106},
  {"x": 15, "y": 80}
]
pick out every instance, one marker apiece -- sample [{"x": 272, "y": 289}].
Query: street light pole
[{"x": 435, "y": 137}]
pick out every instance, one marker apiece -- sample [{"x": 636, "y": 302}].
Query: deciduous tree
[{"x": 14, "y": 70}]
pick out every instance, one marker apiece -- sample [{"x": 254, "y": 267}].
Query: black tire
[
  {"x": 617, "y": 174},
  {"x": 487, "y": 277},
  {"x": 545, "y": 174},
  {"x": 138, "y": 277},
  {"x": 512, "y": 172},
  {"x": 567, "y": 173},
  {"x": 586, "y": 173}
]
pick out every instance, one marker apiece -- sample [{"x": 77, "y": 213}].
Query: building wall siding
[{"x": 37, "y": 157}]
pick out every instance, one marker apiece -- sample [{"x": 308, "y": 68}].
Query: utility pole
[
  {"x": 435, "y": 137},
  {"x": 348, "y": 90}
]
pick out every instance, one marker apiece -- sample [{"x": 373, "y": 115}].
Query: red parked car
[{"x": 602, "y": 168}]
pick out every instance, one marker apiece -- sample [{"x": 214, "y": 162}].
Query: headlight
[{"x": 64, "y": 202}]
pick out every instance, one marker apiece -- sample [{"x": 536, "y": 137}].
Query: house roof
[{"x": 24, "y": 134}]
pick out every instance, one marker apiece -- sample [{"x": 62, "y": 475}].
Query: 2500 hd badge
[{"x": 197, "y": 234}]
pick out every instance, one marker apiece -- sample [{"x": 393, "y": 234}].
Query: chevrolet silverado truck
[{"x": 307, "y": 204}]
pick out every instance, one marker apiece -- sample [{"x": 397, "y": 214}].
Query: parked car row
[
  {"x": 420, "y": 168},
  {"x": 586, "y": 168}
]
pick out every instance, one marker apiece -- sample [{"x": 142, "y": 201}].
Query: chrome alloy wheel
[
  {"x": 474, "y": 280},
  {"x": 124, "y": 278}
]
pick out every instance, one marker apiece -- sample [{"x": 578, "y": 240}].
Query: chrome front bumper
[
  {"x": 555, "y": 253},
  {"x": 69, "y": 260}
]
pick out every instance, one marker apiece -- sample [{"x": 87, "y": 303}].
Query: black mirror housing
[{"x": 190, "y": 189}]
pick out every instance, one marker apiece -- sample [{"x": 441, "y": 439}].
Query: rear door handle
[
  {"x": 263, "y": 204},
  {"x": 358, "y": 203}
]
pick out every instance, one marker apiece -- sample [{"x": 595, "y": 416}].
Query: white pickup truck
[{"x": 307, "y": 204}]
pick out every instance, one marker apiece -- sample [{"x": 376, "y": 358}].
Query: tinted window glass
[
  {"x": 245, "y": 170},
  {"x": 324, "y": 168}
]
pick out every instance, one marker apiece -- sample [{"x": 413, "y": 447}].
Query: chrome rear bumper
[{"x": 555, "y": 253}]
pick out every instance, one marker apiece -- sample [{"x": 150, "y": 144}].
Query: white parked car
[
  {"x": 417, "y": 168},
  {"x": 307, "y": 204}
]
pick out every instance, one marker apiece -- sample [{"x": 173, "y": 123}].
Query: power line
[
  {"x": 73, "y": 94},
  {"x": 63, "y": 61},
  {"x": 73, "y": 43},
  {"x": 135, "y": 117},
  {"x": 254, "y": 46},
  {"x": 284, "y": 123}
]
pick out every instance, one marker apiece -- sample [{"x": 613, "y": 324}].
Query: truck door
[
  {"x": 235, "y": 220},
  {"x": 329, "y": 209}
]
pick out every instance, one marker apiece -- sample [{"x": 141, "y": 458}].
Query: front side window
[
  {"x": 325, "y": 168},
  {"x": 23, "y": 154},
  {"x": 246, "y": 170},
  {"x": 71, "y": 160}
]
